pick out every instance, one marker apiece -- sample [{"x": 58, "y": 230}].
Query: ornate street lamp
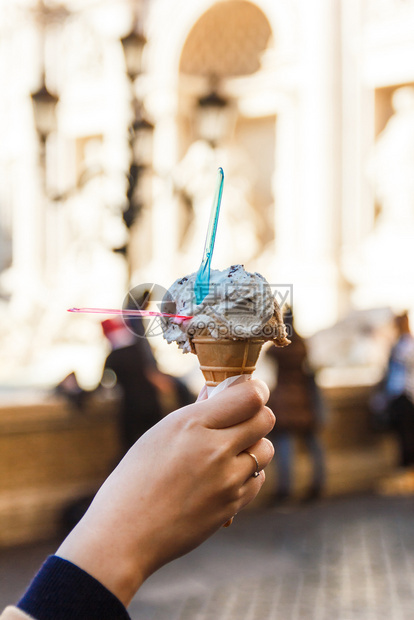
[
  {"x": 140, "y": 131},
  {"x": 133, "y": 45},
  {"x": 213, "y": 117},
  {"x": 141, "y": 140},
  {"x": 44, "y": 109}
]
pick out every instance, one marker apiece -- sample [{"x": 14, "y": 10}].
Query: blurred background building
[{"x": 114, "y": 117}]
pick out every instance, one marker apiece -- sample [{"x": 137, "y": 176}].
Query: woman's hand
[{"x": 177, "y": 485}]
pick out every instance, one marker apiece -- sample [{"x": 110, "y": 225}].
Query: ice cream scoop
[{"x": 240, "y": 306}]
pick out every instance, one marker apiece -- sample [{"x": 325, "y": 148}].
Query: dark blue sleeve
[{"x": 63, "y": 591}]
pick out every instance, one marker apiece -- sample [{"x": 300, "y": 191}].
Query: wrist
[{"x": 105, "y": 556}]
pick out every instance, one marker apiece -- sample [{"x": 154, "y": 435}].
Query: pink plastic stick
[{"x": 127, "y": 312}]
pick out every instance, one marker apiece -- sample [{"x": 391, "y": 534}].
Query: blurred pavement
[{"x": 345, "y": 558}]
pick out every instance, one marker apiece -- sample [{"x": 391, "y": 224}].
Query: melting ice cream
[{"x": 240, "y": 306}]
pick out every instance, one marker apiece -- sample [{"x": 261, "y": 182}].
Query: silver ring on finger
[{"x": 258, "y": 470}]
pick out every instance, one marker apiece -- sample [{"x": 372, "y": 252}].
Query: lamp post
[
  {"x": 44, "y": 111},
  {"x": 214, "y": 115},
  {"x": 44, "y": 102},
  {"x": 141, "y": 129},
  {"x": 133, "y": 45}
]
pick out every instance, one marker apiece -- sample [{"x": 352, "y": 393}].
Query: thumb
[{"x": 235, "y": 404}]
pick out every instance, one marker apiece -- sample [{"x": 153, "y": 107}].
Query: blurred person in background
[
  {"x": 147, "y": 394},
  {"x": 130, "y": 366},
  {"x": 398, "y": 389},
  {"x": 300, "y": 411}
]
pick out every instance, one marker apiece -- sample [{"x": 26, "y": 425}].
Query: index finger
[{"x": 234, "y": 405}]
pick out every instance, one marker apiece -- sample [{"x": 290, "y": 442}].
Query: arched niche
[
  {"x": 229, "y": 42},
  {"x": 170, "y": 23}
]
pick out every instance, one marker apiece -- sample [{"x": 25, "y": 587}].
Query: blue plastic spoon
[{"x": 202, "y": 282}]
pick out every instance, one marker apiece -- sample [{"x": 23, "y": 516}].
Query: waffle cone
[{"x": 220, "y": 359}]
